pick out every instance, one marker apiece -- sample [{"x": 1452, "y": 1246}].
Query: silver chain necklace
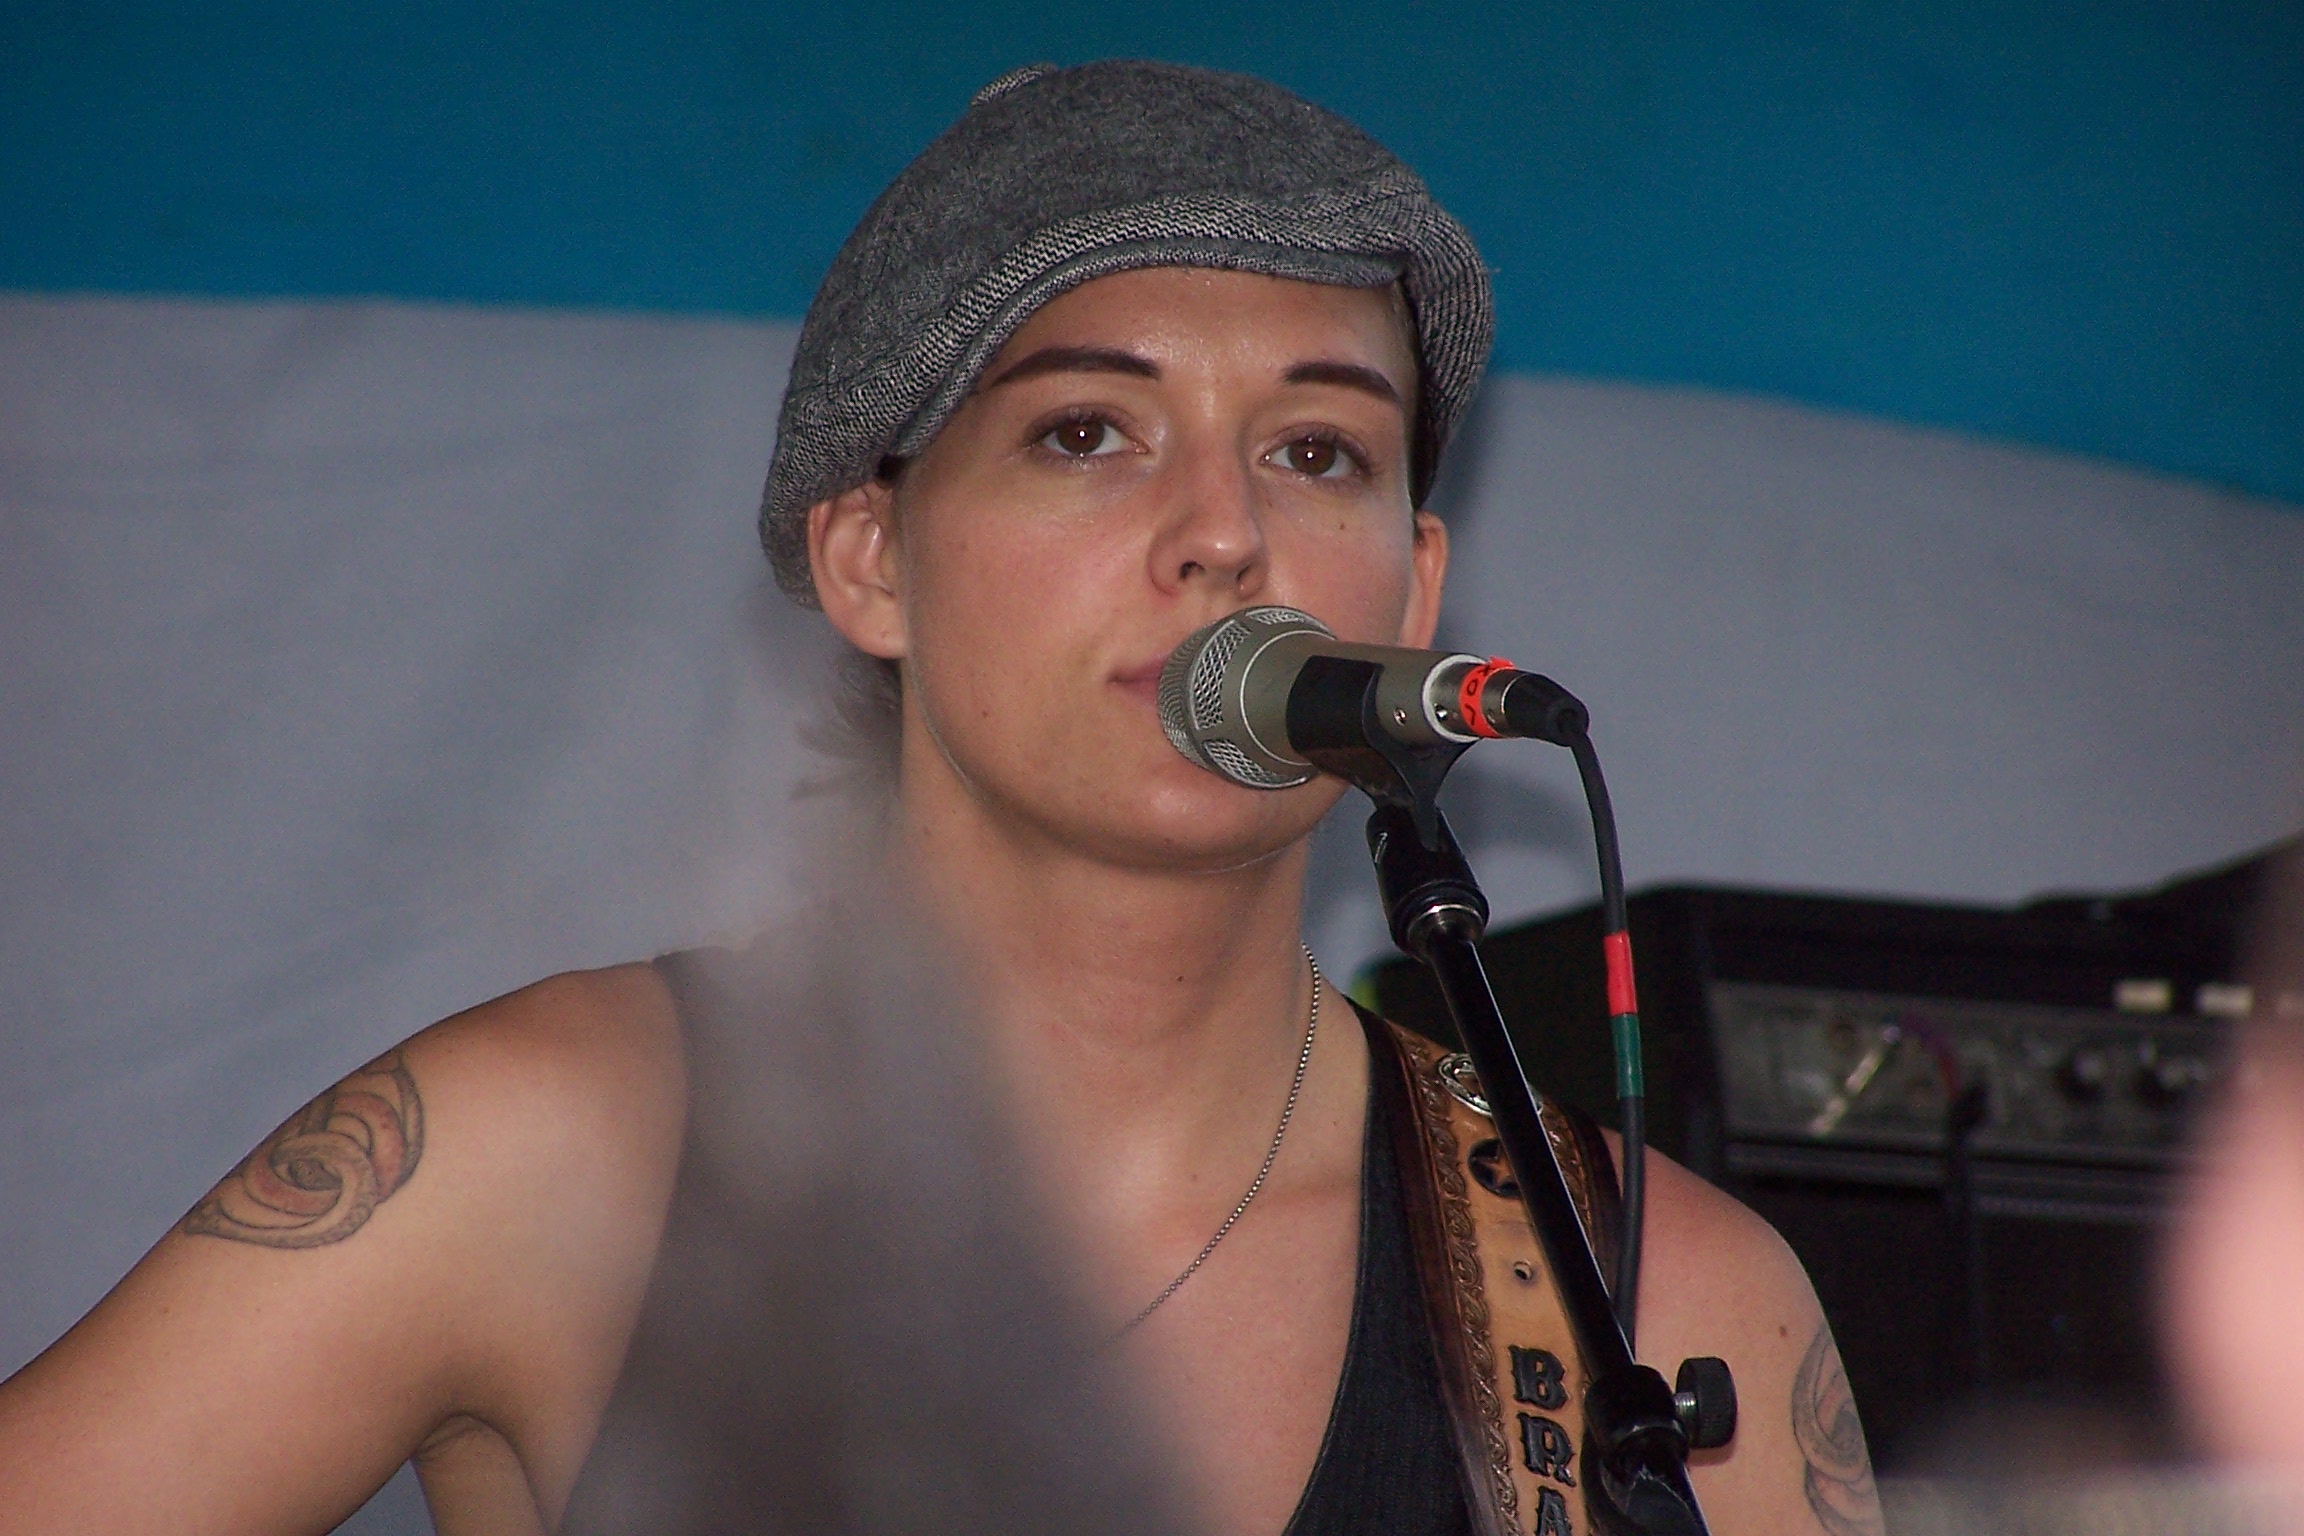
[{"x": 1271, "y": 1154}]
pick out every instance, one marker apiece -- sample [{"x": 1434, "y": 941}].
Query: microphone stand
[{"x": 1637, "y": 1433}]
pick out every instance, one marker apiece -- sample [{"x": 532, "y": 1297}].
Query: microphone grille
[
  {"x": 1206, "y": 695},
  {"x": 1239, "y": 767},
  {"x": 1191, "y": 694}
]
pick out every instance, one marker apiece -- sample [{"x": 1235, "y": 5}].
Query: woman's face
[{"x": 1151, "y": 451}]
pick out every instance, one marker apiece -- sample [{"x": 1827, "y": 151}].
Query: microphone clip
[{"x": 1335, "y": 721}]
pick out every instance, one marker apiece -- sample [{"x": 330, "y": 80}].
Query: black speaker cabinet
[{"x": 1804, "y": 1053}]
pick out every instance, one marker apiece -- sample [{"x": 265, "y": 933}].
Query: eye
[
  {"x": 1085, "y": 437},
  {"x": 1321, "y": 458}
]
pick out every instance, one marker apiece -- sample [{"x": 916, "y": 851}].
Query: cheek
[
  {"x": 1000, "y": 612},
  {"x": 1354, "y": 576},
  {"x": 997, "y": 571}
]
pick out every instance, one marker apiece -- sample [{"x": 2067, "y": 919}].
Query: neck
[
  {"x": 1150, "y": 1014},
  {"x": 1108, "y": 964}
]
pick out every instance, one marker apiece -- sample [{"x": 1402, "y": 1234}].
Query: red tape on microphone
[{"x": 1468, "y": 696}]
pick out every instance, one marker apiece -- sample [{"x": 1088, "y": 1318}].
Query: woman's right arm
[{"x": 457, "y": 1234}]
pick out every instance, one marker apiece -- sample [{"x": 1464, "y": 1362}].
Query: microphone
[{"x": 1247, "y": 696}]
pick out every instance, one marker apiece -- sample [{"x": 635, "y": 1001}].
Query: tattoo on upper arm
[
  {"x": 318, "y": 1178},
  {"x": 1839, "y": 1470}
]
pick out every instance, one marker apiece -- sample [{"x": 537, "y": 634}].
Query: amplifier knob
[
  {"x": 2086, "y": 1072},
  {"x": 2167, "y": 1081}
]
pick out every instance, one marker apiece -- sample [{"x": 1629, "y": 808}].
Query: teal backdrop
[{"x": 2075, "y": 224}]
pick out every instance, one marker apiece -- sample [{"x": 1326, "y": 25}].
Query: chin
[
  {"x": 1124, "y": 796},
  {"x": 1194, "y": 822}
]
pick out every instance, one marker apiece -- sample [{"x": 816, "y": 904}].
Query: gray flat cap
[{"x": 1054, "y": 177}]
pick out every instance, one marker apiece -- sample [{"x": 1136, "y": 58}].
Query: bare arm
[
  {"x": 457, "y": 1233},
  {"x": 1719, "y": 1281},
  {"x": 318, "y": 1178},
  {"x": 1837, "y": 1475}
]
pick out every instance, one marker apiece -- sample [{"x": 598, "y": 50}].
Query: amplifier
[
  {"x": 1804, "y": 1052},
  {"x": 2084, "y": 1108}
]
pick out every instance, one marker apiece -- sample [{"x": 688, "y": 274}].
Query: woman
[{"x": 1129, "y": 348}]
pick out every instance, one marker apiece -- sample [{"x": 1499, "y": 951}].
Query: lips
[
  {"x": 1142, "y": 681},
  {"x": 1143, "y": 678}
]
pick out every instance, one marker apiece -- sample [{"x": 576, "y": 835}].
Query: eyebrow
[
  {"x": 1073, "y": 360},
  {"x": 1347, "y": 376}
]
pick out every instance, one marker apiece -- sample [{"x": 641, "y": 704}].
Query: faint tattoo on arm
[
  {"x": 1839, "y": 1470},
  {"x": 318, "y": 1178}
]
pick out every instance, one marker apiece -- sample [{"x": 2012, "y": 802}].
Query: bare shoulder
[
  {"x": 563, "y": 1090},
  {"x": 1713, "y": 1256},
  {"x": 1718, "y": 1280},
  {"x": 555, "y": 1113},
  {"x": 490, "y": 1102},
  {"x": 457, "y": 1232}
]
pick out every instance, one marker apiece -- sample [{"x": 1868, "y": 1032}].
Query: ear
[
  {"x": 852, "y": 554},
  {"x": 1427, "y": 576}
]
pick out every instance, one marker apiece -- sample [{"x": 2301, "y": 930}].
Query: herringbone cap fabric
[{"x": 1054, "y": 177}]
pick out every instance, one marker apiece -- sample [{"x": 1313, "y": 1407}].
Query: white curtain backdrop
[{"x": 363, "y": 661}]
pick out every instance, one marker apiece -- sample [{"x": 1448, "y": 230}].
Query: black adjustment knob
[
  {"x": 2085, "y": 1073},
  {"x": 2165, "y": 1081},
  {"x": 1704, "y": 1400}
]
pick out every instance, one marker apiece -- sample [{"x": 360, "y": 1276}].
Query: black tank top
[{"x": 1388, "y": 1464}]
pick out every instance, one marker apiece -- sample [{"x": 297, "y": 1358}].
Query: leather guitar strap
[{"x": 1509, "y": 1368}]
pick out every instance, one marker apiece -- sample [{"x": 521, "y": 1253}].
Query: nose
[{"x": 1212, "y": 531}]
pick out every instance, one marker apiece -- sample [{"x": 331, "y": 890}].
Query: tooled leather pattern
[
  {"x": 1579, "y": 1148},
  {"x": 1434, "y": 1106},
  {"x": 1527, "y": 1313}
]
